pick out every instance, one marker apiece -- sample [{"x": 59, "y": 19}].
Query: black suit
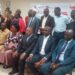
[
  {"x": 27, "y": 44},
  {"x": 71, "y": 25},
  {"x": 49, "y": 22}
]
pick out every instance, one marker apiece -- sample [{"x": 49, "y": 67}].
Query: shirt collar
[
  {"x": 58, "y": 16},
  {"x": 47, "y": 36},
  {"x": 30, "y": 36},
  {"x": 45, "y": 16}
]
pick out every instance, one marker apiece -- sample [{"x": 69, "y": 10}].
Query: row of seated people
[{"x": 40, "y": 54}]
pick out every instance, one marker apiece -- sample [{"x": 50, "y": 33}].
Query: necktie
[
  {"x": 62, "y": 49},
  {"x": 30, "y": 22}
]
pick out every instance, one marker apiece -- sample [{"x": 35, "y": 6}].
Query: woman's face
[
  {"x": 6, "y": 13},
  {"x": 13, "y": 29},
  {"x": 3, "y": 26}
]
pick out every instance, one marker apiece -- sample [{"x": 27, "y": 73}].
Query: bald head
[
  {"x": 68, "y": 34},
  {"x": 29, "y": 31}
]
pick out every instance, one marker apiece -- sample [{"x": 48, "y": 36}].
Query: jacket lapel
[
  {"x": 41, "y": 42},
  {"x": 30, "y": 38},
  {"x": 70, "y": 44},
  {"x": 68, "y": 49},
  {"x": 48, "y": 43},
  {"x": 47, "y": 20}
]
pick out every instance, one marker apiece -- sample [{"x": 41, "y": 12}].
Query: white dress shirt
[
  {"x": 42, "y": 52},
  {"x": 60, "y": 23},
  {"x": 61, "y": 58},
  {"x": 29, "y": 37},
  {"x": 44, "y": 21}
]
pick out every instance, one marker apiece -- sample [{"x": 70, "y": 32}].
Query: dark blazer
[
  {"x": 49, "y": 46},
  {"x": 27, "y": 45},
  {"x": 69, "y": 56},
  {"x": 71, "y": 25},
  {"x": 49, "y": 22}
]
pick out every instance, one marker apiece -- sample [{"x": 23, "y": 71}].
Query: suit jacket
[
  {"x": 71, "y": 25},
  {"x": 49, "y": 22},
  {"x": 35, "y": 25},
  {"x": 49, "y": 46},
  {"x": 27, "y": 45},
  {"x": 69, "y": 56}
]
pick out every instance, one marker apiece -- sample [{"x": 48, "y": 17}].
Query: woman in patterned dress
[{"x": 10, "y": 45}]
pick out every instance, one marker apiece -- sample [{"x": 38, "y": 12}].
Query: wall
[
  {"x": 3, "y": 3},
  {"x": 24, "y": 5}
]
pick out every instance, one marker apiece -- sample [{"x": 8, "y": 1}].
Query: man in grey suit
[{"x": 34, "y": 21}]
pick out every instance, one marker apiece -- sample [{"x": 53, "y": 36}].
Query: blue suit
[{"x": 66, "y": 65}]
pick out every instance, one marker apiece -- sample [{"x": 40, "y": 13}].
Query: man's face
[
  {"x": 68, "y": 35},
  {"x": 30, "y": 13},
  {"x": 33, "y": 13},
  {"x": 73, "y": 14},
  {"x": 46, "y": 12},
  {"x": 46, "y": 31},
  {"x": 57, "y": 12},
  {"x": 28, "y": 31}
]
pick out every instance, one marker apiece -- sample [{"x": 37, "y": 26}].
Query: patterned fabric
[
  {"x": 9, "y": 48},
  {"x": 13, "y": 40}
]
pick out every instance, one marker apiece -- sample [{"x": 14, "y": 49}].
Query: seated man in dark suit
[
  {"x": 41, "y": 51},
  {"x": 23, "y": 50},
  {"x": 63, "y": 57}
]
